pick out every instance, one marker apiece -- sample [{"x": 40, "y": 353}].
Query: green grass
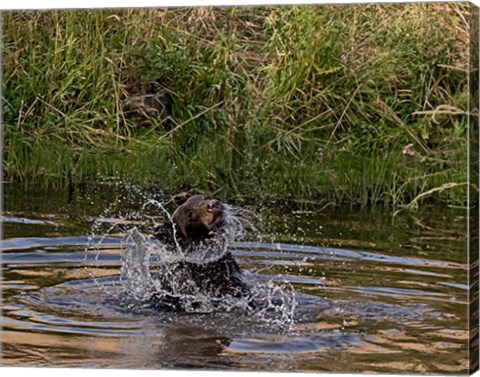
[{"x": 256, "y": 91}]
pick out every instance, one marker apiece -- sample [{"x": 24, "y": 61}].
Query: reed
[{"x": 380, "y": 89}]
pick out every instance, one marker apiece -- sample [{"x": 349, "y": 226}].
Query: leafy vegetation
[{"x": 361, "y": 104}]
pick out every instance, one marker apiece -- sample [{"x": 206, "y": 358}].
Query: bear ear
[{"x": 181, "y": 198}]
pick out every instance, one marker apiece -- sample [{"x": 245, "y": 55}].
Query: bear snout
[{"x": 215, "y": 206}]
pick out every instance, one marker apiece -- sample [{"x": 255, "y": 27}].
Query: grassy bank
[{"x": 381, "y": 90}]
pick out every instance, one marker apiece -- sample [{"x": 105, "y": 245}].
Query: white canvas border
[{"x": 71, "y": 4}]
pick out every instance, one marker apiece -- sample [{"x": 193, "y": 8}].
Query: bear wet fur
[{"x": 195, "y": 221}]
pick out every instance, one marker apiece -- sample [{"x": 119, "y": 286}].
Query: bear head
[{"x": 197, "y": 216}]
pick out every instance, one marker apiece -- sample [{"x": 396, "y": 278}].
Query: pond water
[{"x": 360, "y": 291}]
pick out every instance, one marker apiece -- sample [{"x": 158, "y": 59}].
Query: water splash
[
  {"x": 135, "y": 273},
  {"x": 150, "y": 273},
  {"x": 277, "y": 304}
]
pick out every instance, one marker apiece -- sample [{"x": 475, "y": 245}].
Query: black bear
[{"x": 194, "y": 225}]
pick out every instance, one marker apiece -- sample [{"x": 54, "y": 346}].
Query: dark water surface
[{"x": 372, "y": 294}]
